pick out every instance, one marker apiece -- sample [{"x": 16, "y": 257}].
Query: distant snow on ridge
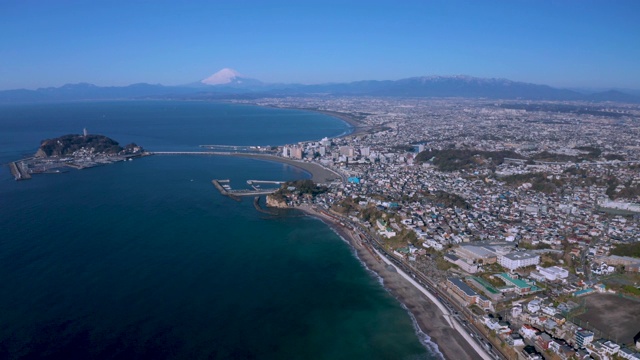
[{"x": 224, "y": 76}]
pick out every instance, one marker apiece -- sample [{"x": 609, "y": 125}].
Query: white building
[
  {"x": 553, "y": 273},
  {"x": 528, "y": 331},
  {"x": 549, "y": 310},
  {"x": 516, "y": 310},
  {"x": 628, "y": 354},
  {"x": 518, "y": 259},
  {"x": 610, "y": 347},
  {"x": 583, "y": 337},
  {"x": 430, "y": 243},
  {"x": 534, "y": 306}
]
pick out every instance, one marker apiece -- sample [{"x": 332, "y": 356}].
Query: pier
[
  {"x": 249, "y": 148},
  {"x": 19, "y": 170},
  {"x": 236, "y": 194},
  {"x": 224, "y": 191},
  {"x": 186, "y": 153},
  {"x": 251, "y": 182}
]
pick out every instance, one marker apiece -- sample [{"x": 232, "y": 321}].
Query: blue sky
[{"x": 561, "y": 43}]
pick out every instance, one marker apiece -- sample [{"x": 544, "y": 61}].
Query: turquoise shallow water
[{"x": 145, "y": 259}]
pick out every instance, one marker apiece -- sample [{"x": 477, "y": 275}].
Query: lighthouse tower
[{"x": 84, "y": 132}]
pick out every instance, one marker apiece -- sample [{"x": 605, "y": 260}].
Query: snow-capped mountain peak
[{"x": 224, "y": 76}]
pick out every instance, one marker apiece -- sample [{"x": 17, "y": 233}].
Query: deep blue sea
[{"x": 146, "y": 260}]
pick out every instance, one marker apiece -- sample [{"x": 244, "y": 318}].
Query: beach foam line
[
  {"x": 424, "y": 338},
  {"x": 449, "y": 319},
  {"x": 452, "y": 322}
]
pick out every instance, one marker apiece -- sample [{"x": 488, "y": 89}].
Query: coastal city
[
  {"x": 520, "y": 217},
  {"x": 379, "y": 180}
]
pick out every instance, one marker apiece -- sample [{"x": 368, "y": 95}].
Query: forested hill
[{"x": 91, "y": 144}]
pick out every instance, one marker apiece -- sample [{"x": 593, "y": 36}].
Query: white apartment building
[
  {"x": 553, "y": 273},
  {"x": 518, "y": 259}
]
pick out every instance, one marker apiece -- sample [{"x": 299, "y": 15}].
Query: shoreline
[
  {"x": 356, "y": 126},
  {"x": 318, "y": 172},
  {"x": 432, "y": 327}
]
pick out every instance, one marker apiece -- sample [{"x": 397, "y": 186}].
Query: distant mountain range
[{"x": 228, "y": 84}]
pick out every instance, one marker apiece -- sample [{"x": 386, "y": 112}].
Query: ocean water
[{"x": 145, "y": 259}]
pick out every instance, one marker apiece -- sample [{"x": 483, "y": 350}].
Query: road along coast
[{"x": 439, "y": 332}]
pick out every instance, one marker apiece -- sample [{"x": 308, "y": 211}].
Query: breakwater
[
  {"x": 236, "y": 194},
  {"x": 19, "y": 171},
  {"x": 259, "y": 208},
  {"x": 224, "y": 191}
]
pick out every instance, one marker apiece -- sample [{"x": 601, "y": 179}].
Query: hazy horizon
[{"x": 567, "y": 44}]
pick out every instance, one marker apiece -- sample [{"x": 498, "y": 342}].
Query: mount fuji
[
  {"x": 230, "y": 78},
  {"x": 230, "y": 84}
]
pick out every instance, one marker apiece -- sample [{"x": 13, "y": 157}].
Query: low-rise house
[
  {"x": 528, "y": 331},
  {"x": 543, "y": 340},
  {"x": 549, "y": 310},
  {"x": 530, "y": 353},
  {"x": 560, "y": 348},
  {"x": 628, "y": 354},
  {"x": 515, "y": 340},
  {"x": 610, "y": 347},
  {"x": 583, "y": 338},
  {"x": 534, "y": 306}
]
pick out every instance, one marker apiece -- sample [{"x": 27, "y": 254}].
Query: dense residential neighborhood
[{"x": 524, "y": 215}]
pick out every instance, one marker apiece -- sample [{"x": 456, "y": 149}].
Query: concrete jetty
[
  {"x": 19, "y": 171},
  {"x": 236, "y": 194},
  {"x": 224, "y": 191},
  {"x": 251, "y": 182}
]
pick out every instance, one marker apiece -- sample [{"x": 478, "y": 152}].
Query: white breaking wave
[{"x": 425, "y": 339}]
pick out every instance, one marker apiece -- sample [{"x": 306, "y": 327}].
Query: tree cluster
[{"x": 460, "y": 159}]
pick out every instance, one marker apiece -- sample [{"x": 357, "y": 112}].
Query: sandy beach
[
  {"x": 319, "y": 173},
  {"x": 427, "y": 315},
  {"x": 435, "y": 331},
  {"x": 357, "y": 126}
]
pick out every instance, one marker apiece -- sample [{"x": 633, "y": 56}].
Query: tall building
[
  {"x": 296, "y": 152},
  {"x": 347, "y": 151}
]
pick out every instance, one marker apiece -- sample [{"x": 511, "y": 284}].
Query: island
[{"x": 74, "y": 151}]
